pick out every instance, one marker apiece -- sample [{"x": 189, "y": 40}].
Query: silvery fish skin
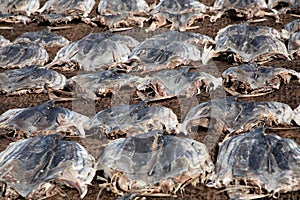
[
  {"x": 153, "y": 52},
  {"x": 27, "y": 164},
  {"x": 250, "y": 43},
  {"x": 243, "y": 8},
  {"x": 235, "y": 116},
  {"x": 244, "y": 28},
  {"x": 227, "y": 4},
  {"x": 13, "y": 18},
  {"x": 291, "y": 32},
  {"x": 195, "y": 39},
  {"x": 294, "y": 44},
  {"x": 296, "y": 117},
  {"x": 32, "y": 79},
  {"x": 20, "y": 55},
  {"x": 120, "y": 13},
  {"x": 19, "y": 6},
  {"x": 44, "y": 119},
  {"x": 293, "y": 26},
  {"x": 181, "y": 13},
  {"x": 288, "y": 4},
  {"x": 102, "y": 83},
  {"x": 259, "y": 160},
  {"x": 117, "y": 7},
  {"x": 95, "y": 51},
  {"x": 149, "y": 160},
  {"x": 3, "y": 41},
  {"x": 133, "y": 119},
  {"x": 183, "y": 82},
  {"x": 45, "y": 38},
  {"x": 161, "y": 50},
  {"x": 254, "y": 80},
  {"x": 69, "y": 7}
]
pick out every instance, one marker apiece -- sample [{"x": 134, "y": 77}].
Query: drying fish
[
  {"x": 249, "y": 43},
  {"x": 255, "y": 165},
  {"x": 297, "y": 115},
  {"x": 3, "y": 41},
  {"x": 230, "y": 115},
  {"x": 11, "y": 18},
  {"x": 282, "y": 6},
  {"x": 102, "y": 83},
  {"x": 45, "y": 118},
  {"x": 255, "y": 80},
  {"x": 121, "y": 14},
  {"x": 95, "y": 51},
  {"x": 293, "y": 26},
  {"x": 32, "y": 79},
  {"x": 25, "y": 7},
  {"x": 242, "y": 8},
  {"x": 20, "y": 55},
  {"x": 154, "y": 163},
  {"x": 55, "y": 19},
  {"x": 170, "y": 49},
  {"x": 18, "y": 11},
  {"x": 45, "y": 38},
  {"x": 291, "y": 32},
  {"x": 65, "y": 10},
  {"x": 294, "y": 44},
  {"x": 183, "y": 82},
  {"x": 31, "y": 167},
  {"x": 195, "y": 39},
  {"x": 181, "y": 13},
  {"x": 128, "y": 120}
]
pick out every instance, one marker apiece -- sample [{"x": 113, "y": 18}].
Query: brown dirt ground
[{"x": 287, "y": 94}]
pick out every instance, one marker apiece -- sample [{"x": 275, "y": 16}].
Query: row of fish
[
  {"x": 243, "y": 80},
  {"x": 147, "y": 150},
  {"x": 100, "y": 51},
  {"x": 29, "y": 167},
  {"x": 127, "y": 13},
  {"x": 249, "y": 165},
  {"x": 230, "y": 116}
]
